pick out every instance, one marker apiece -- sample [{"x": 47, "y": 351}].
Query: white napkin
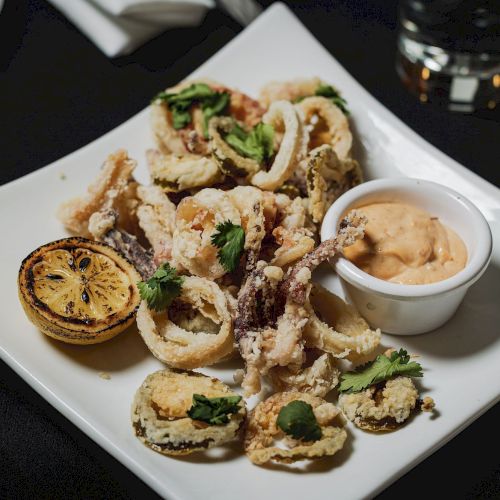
[{"x": 118, "y": 27}]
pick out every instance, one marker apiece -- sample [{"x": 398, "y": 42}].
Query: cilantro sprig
[
  {"x": 162, "y": 288},
  {"x": 212, "y": 104},
  {"x": 330, "y": 93},
  {"x": 297, "y": 420},
  {"x": 382, "y": 368},
  {"x": 213, "y": 411},
  {"x": 230, "y": 240},
  {"x": 257, "y": 144}
]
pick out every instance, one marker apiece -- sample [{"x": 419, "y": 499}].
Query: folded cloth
[{"x": 118, "y": 27}]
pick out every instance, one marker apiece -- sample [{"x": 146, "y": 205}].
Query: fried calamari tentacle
[
  {"x": 337, "y": 328},
  {"x": 156, "y": 216},
  {"x": 328, "y": 125},
  {"x": 196, "y": 220},
  {"x": 160, "y": 413},
  {"x": 262, "y": 431},
  {"x": 295, "y": 285},
  {"x": 318, "y": 378},
  {"x": 174, "y": 173},
  {"x": 286, "y": 119},
  {"x": 382, "y": 407},
  {"x": 113, "y": 183},
  {"x": 103, "y": 227},
  {"x": 264, "y": 339},
  {"x": 225, "y": 157},
  {"x": 327, "y": 178},
  {"x": 196, "y": 332}
]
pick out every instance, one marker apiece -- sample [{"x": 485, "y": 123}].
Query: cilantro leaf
[
  {"x": 230, "y": 239},
  {"x": 212, "y": 103},
  {"x": 257, "y": 144},
  {"x": 213, "y": 411},
  {"x": 161, "y": 289},
  {"x": 297, "y": 420},
  {"x": 382, "y": 368}
]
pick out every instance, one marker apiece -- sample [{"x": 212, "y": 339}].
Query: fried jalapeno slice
[
  {"x": 263, "y": 431},
  {"x": 382, "y": 407},
  {"x": 197, "y": 329},
  {"x": 160, "y": 413},
  {"x": 226, "y": 158},
  {"x": 328, "y": 177}
]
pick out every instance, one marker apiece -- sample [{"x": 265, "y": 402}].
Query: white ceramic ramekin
[{"x": 412, "y": 309}]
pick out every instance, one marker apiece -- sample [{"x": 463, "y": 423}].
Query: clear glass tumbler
[{"x": 449, "y": 52}]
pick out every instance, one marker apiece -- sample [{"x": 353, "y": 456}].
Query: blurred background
[{"x": 71, "y": 70}]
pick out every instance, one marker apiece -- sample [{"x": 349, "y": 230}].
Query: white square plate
[{"x": 461, "y": 359}]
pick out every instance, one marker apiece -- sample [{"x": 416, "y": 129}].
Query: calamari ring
[
  {"x": 293, "y": 245},
  {"x": 382, "y": 407},
  {"x": 332, "y": 127},
  {"x": 196, "y": 219},
  {"x": 160, "y": 419},
  {"x": 262, "y": 431},
  {"x": 283, "y": 116},
  {"x": 181, "y": 348},
  {"x": 227, "y": 159},
  {"x": 318, "y": 379},
  {"x": 288, "y": 90},
  {"x": 328, "y": 178},
  {"x": 336, "y": 327},
  {"x": 174, "y": 173}
]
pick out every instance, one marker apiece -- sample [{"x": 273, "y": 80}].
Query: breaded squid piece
[
  {"x": 250, "y": 203},
  {"x": 318, "y": 379},
  {"x": 328, "y": 124},
  {"x": 328, "y": 177},
  {"x": 336, "y": 327},
  {"x": 262, "y": 431},
  {"x": 293, "y": 148},
  {"x": 385, "y": 406},
  {"x": 175, "y": 173},
  {"x": 195, "y": 222},
  {"x": 110, "y": 190},
  {"x": 293, "y": 245},
  {"x": 156, "y": 216},
  {"x": 160, "y": 419},
  {"x": 196, "y": 332},
  {"x": 288, "y": 91}
]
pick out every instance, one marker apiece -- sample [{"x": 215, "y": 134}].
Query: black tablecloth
[{"x": 58, "y": 93}]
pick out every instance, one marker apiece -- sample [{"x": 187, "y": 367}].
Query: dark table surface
[{"x": 58, "y": 93}]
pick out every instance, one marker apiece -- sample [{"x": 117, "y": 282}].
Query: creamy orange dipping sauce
[{"x": 406, "y": 245}]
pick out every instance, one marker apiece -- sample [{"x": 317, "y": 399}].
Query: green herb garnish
[
  {"x": 297, "y": 420},
  {"x": 258, "y": 144},
  {"x": 230, "y": 240},
  {"x": 212, "y": 104},
  {"x": 382, "y": 368},
  {"x": 213, "y": 411},
  {"x": 162, "y": 288}
]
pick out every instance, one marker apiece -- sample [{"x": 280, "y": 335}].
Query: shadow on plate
[
  {"x": 125, "y": 350},
  {"x": 474, "y": 327},
  {"x": 230, "y": 451}
]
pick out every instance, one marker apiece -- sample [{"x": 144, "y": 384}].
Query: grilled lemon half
[{"x": 78, "y": 291}]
